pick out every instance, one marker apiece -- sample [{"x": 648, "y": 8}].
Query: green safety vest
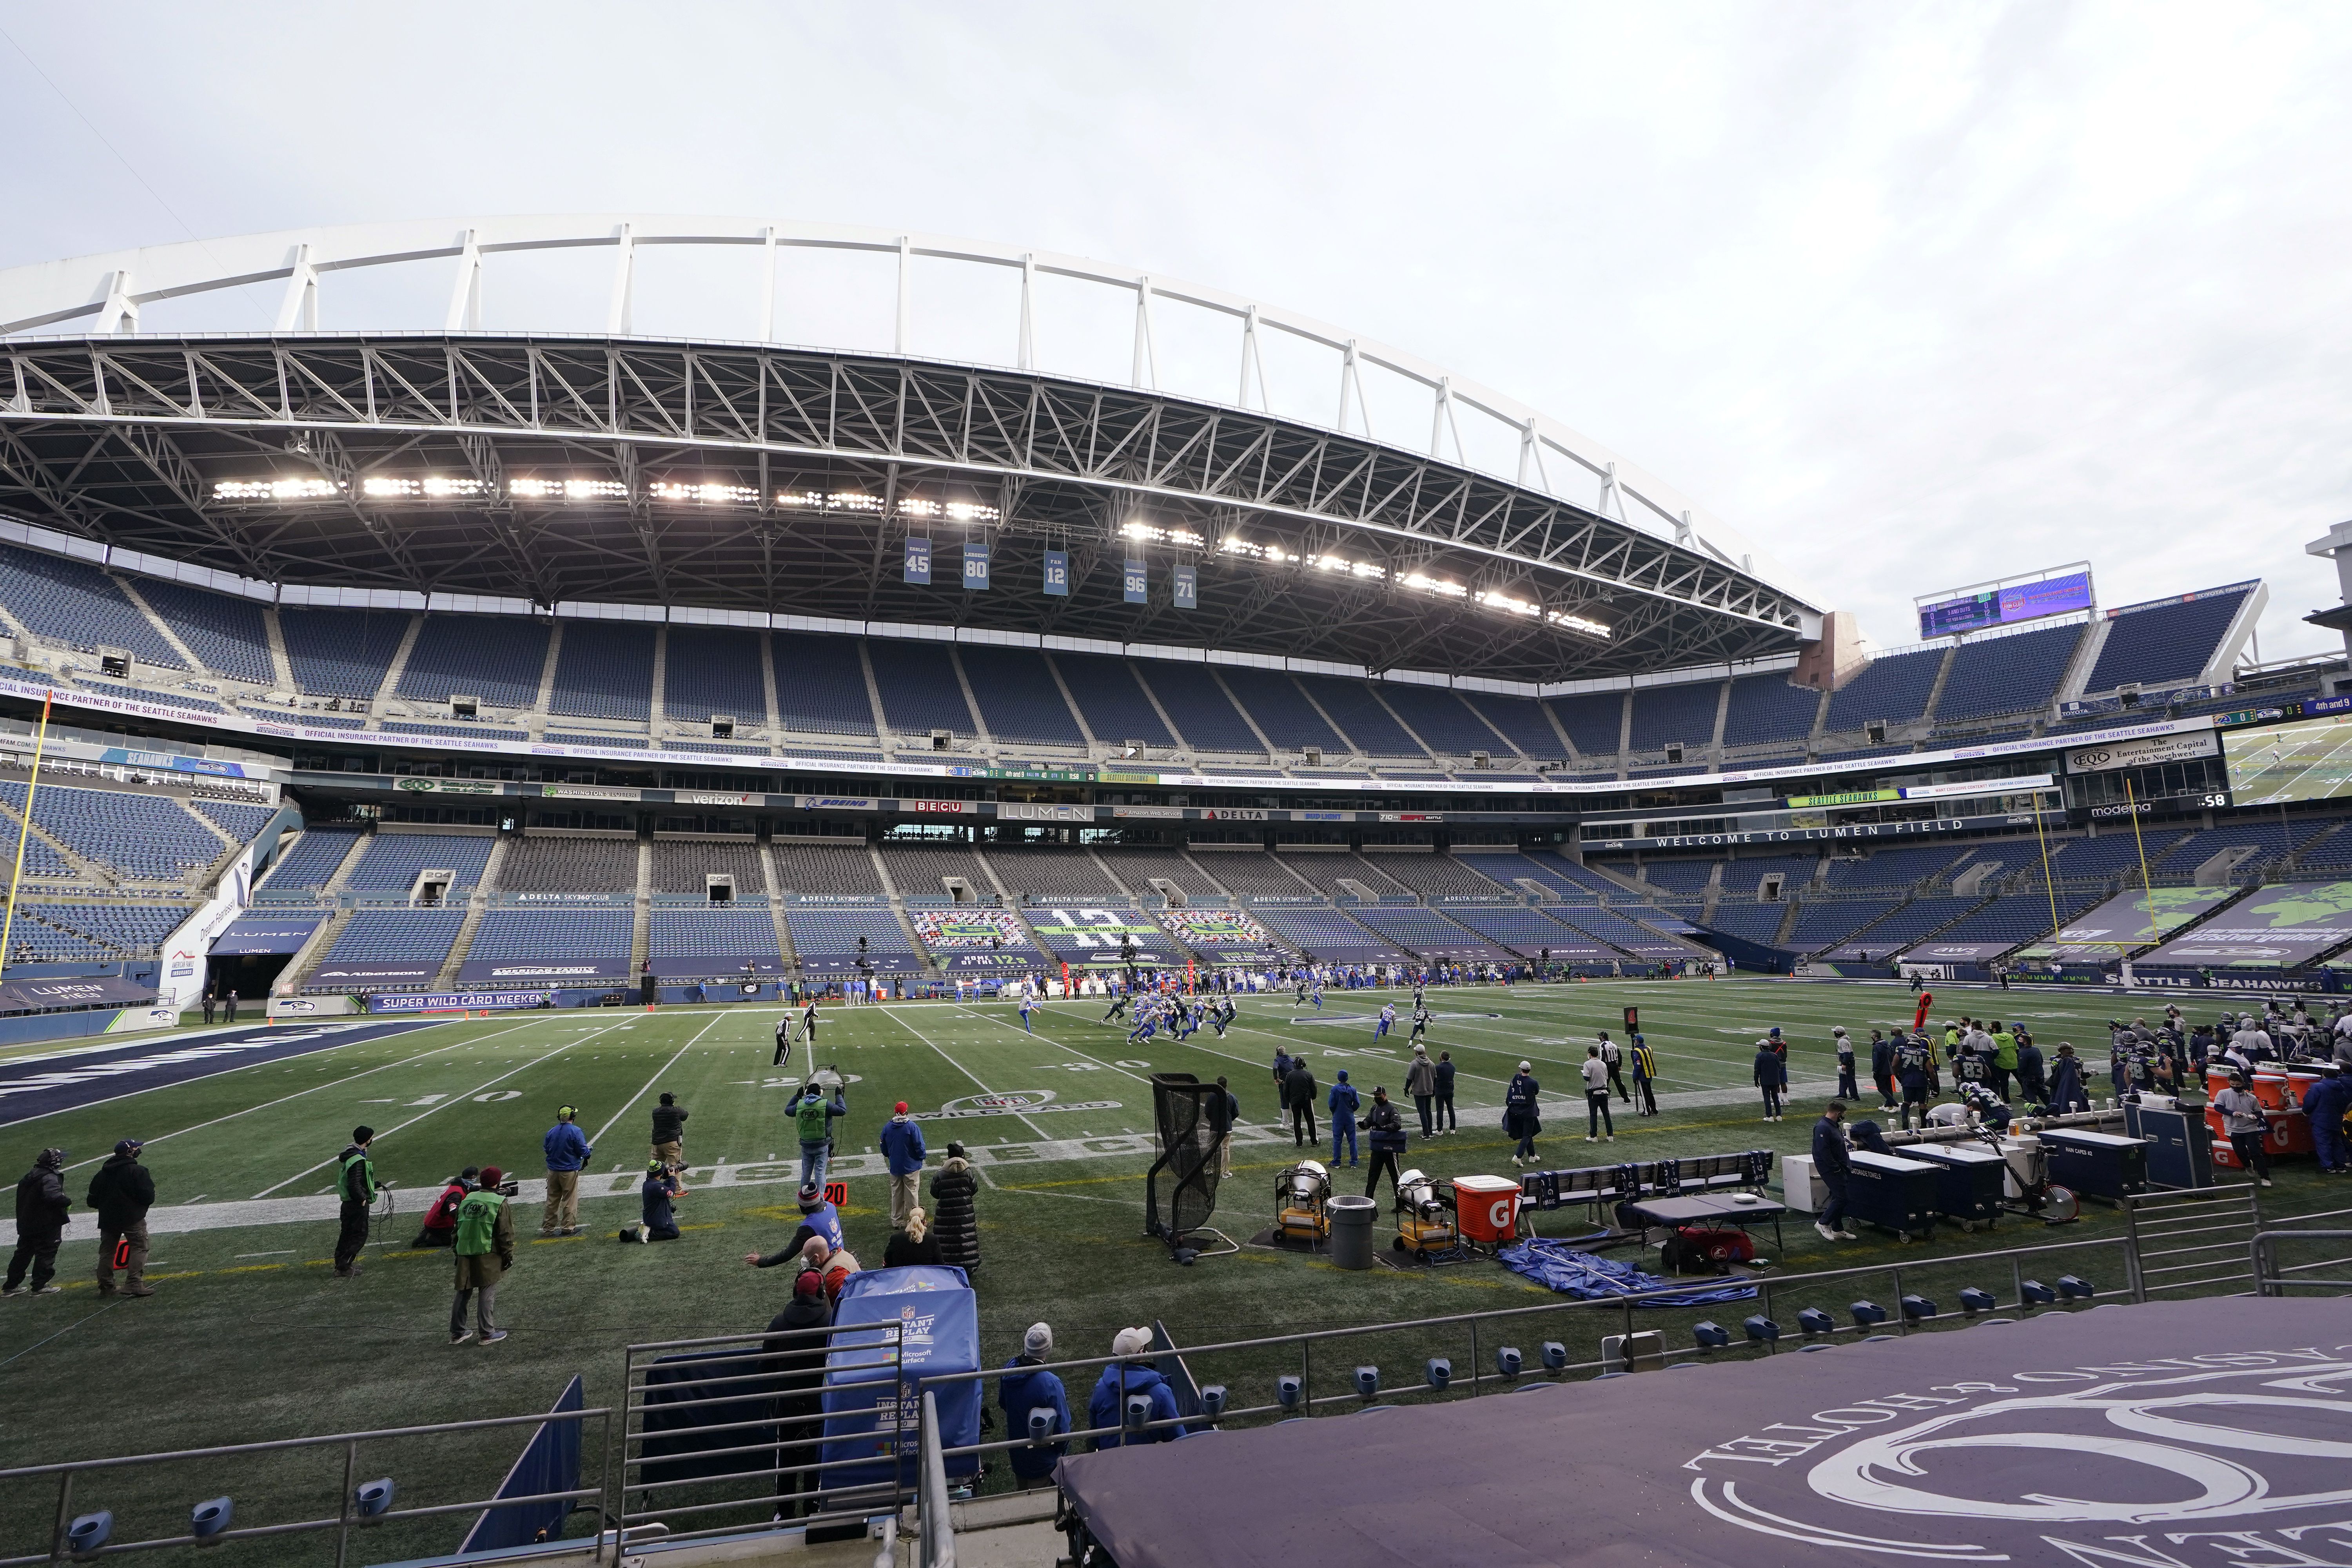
[
  {"x": 811, "y": 1120},
  {"x": 362, "y": 1191},
  {"x": 477, "y": 1223}
]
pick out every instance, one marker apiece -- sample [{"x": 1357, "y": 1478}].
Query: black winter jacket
[
  {"x": 670, "y": 1123},
  {"x": 41, "y": 1205},
  {"x": 1387, "y": 1132},
  {"x": 122, "y": 1191},
  {"x": 955, "y": 1220}
]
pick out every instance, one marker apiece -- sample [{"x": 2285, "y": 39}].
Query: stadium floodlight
[
  {"x": 1149, "y": 533},
  {"x": 1438, "y": 585},
  {"x": 276, "y": 489},
  {"x": 1568, "y": 622},
  {"x": 705, "y": 494}
]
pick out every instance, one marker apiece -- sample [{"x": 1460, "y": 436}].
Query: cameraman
[{"x": 440, "y": 1227}]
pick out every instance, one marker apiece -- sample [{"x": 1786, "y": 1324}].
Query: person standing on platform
[
  {"x": 122, "y": 1192},
  {"x": 1446, "y": 1122},
  {"x": 568, "y": 1153},
  {"x": 1831, "y": 1165},
  {"x": 1342, "y": 1106}
]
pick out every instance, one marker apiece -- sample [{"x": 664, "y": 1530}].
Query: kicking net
[{"x": 1191, "y": 1125}]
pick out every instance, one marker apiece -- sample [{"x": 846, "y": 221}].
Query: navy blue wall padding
[
  {"x": 1559, "y": 1266},
  {"x": 671, "y": 1383},
  {"x": 550, "y": 1462}
]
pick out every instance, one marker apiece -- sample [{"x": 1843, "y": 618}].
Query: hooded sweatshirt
[{"x": 1107, "y": 1405}]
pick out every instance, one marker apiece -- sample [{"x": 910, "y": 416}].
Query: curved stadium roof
[{"x": 608, "y": 466}]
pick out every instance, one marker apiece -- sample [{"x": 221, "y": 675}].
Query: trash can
[{"x": 1351, "y": 1231}]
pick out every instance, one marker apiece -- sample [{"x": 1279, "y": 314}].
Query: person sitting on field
[
  {"x": 914, "y": 1245},
  {"x": 440, "y": 1227}
]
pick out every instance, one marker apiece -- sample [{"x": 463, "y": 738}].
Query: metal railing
[
  {"x": 2271, "y": 1279},
  {"x": 1294, "y": 1396},
  {"x": 352, "y": 1514},
  {"x": 729, "y": 1390}
]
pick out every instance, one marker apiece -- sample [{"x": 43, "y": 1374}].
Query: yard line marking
[
  {"x": 444, "y": 1105},
  {"x": 959, "y": 1067},
  {"x": 69, "y": 1328},
  {"x": 656, "y": 1078},
  {"x": 282, "y": 1098}
]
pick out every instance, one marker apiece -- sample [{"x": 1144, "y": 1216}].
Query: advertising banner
[
  {"x": 892, "y": 961},
  {"x": 456, "y": 1001},
  {"x": 1042, "y": 811},
  {"x": 266, "y": 933},
  {"x": 2141, "y": 753},
  {"x": 374, "y": 972},
  {"x": 528, "y": 971},
  {"x": 709, "y": 968},
  {"x": 2006, "y": 605},
  {"x": 1092, "y": 936},
  {"x": 2127, "y": 921},
  {"x": 1955, "y": 952},
  {"x": 941, "y": 929},
  {"x": 85, "y": 991},
  {"x": 2278, "y": 926}
]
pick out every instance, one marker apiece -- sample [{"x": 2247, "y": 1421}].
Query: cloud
[{"x": 1913, "y": 296}]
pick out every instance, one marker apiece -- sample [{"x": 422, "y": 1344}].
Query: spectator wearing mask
[
  {"x": 122, "y": 1192},
  {"x": 568, "y": 1153},
  {"x": 440, "y": 1227},
  {"x": 1298, "y": 1096},
  {"x": 902, "y": 1146},
  {"x": 1521, "y": 1118},
  {"x": 1387, "y": 1135},
  {"x": 1023, "y": 1389},
  {"x": 913, "y": 1243},
  {"x": 484, "y": 1251},
  {"x": 41, "y": 1208},
  {"x": 955, "y": 1215},
  {"x": 796, "y": 1357},
  {"x": 1831, "y": 1165},
  {"x": 1421, "y": 1083},
  {"x": 1595, "y": 1072},
  {"x": 813, "y": 1119},
  {"x": 1132, "y": 1374},
  {"x": 1445, "y": 1075},
  {"x": 2243, "y": 1124},
  {"x": 355, "y": 1184},
  {"x": 1344, "y": 1103},
  {"x": 669, "y": 1132},
  {"x": 657, "y": 1220}
]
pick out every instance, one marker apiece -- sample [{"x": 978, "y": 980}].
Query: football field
[{"x": 250, "y": 1334}]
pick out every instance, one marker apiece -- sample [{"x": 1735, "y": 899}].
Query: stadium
[{"x": 457, "y": 701}]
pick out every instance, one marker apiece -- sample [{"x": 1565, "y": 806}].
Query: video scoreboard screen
[
  {"x": 2309, "y": 760},
  {"x": 2005, "y": 607}
]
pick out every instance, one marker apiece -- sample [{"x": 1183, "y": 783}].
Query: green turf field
[{"x": 250, "y": 1336}]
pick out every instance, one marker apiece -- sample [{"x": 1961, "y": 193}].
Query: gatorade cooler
[{"x": 1488, "y": 1207}]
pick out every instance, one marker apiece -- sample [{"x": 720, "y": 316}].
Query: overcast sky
[{"x": 1914, "y": 295}]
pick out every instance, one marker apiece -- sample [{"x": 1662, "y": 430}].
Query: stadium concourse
[{"x": 510, "y": 744}]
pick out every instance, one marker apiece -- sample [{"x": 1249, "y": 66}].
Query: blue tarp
[
  {"x": 550, "y": 1462},
  {"x": 1560, "y": 1267}
]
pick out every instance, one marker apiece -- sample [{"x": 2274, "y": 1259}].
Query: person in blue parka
[
  {"x": 1343, "y": 1105},
  {"x": 1024, "y": 1389},
  {"x": 1125, "y": 1377},
  {"x": 2324, "y": 1104}
]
